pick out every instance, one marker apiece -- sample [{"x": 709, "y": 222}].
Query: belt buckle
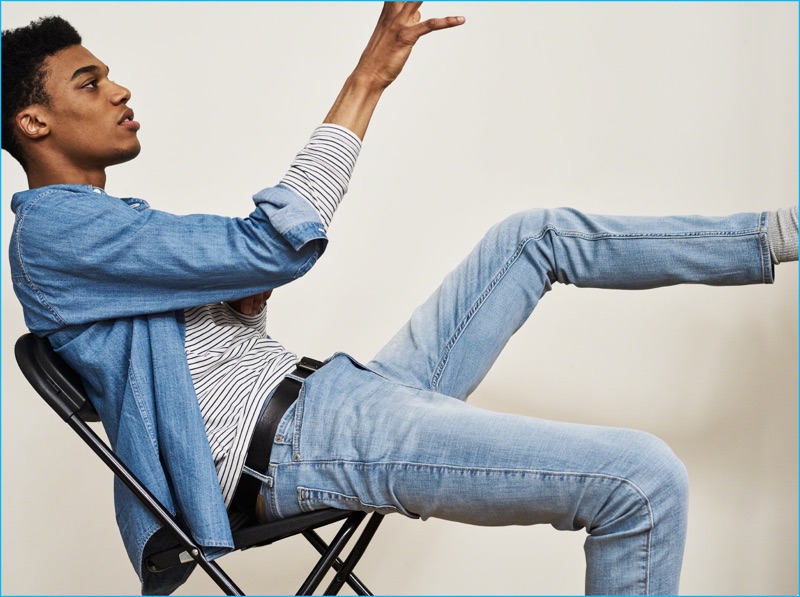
[{"x": 308, "y": 364}]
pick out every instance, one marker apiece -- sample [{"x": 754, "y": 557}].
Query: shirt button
[
  {"x": 98, "y": 191},
  {"x": 135, "y": 204}
]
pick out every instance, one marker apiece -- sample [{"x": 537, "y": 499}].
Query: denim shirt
[{"x": 106, "y": 280}]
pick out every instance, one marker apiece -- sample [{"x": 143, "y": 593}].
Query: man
[{"x": 112, "y": 291}]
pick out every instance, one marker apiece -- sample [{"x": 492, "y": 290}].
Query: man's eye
[{"x": 92, "y": 84}]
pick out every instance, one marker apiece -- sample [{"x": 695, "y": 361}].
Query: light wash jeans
[{"x": 397, "y": 436}]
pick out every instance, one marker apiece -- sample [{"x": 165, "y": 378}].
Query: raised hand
[{"x": 399, "y": 27}]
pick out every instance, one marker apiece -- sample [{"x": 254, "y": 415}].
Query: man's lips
[{"x": 128, "y": 122}]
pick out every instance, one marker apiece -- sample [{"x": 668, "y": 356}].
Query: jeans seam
[
  {"x": 298, "y": 422},
  {"x": 308, "y": 494},
  {"x": 654, "y": 235},
  {"x": 476, "y": 469},
  {"x": 457, "y": 333}
]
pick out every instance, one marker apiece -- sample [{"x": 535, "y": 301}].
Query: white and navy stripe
[
  {"x": 322, "y": 170},
  {"x": 234, "y": 366},
  {"x": 234, "y": 363}
]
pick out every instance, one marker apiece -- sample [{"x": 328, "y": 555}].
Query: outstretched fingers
[
  {"x": 408, "y": 12},
  {"x": 408, "y": 9},
  {"x": 402, "y": 10},
  {"x": 414, "y": 32}
]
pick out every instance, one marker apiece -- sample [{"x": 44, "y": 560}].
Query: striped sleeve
[{"x": 321, "y": 171}]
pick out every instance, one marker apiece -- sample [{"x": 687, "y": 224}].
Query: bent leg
[
  {"x": 452, "y": 340},
  {"x": 358, "y": 441}
]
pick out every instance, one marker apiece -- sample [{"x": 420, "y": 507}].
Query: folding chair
[{"x": 62, "y": 389}]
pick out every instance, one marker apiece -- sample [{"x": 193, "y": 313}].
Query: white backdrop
[{"x": 611, "y": 108}]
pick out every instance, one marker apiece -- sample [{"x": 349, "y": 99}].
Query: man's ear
[{"x": 32, "y": 122}]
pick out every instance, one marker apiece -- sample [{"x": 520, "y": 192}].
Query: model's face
[{"x": 90, "y": 123}]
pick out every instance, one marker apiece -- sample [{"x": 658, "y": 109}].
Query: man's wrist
[
  {"x": 355, "y": 103},
  {"x": 367, "y": 82}
]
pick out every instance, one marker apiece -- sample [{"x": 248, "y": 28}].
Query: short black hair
[{"x": 24, "y": 51}]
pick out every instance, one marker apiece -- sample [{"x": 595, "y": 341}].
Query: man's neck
[{"x": 44, "y": 176}]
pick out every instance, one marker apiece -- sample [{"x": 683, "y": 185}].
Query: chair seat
[{"x": 248, "y": 532}]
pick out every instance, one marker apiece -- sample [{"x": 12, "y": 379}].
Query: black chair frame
[{"x": 62, "y": 389}]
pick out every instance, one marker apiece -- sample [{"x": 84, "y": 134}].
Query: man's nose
[{"x": 120, "y": 94}]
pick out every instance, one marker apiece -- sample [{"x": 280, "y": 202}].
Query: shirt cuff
[{"x": 291, "y": 216}]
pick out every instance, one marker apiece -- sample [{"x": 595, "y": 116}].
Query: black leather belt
[{"x": 258, "y": 453}]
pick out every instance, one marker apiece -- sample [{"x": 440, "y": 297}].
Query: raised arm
[
  {"x": 398, "y": 29},
  {"x": 316, "y": 173}
]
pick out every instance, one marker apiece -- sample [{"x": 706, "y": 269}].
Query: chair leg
[
  {"x": 218, "y": 575},
  {"x": 326, "y": 561},
  {"x": 355, "y": 583},
  {"x": 346, "y": 571}
]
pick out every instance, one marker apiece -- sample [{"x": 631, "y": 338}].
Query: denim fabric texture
[
  {"x": 107, "y": 280},
  {"x": 397, "y": 435}
]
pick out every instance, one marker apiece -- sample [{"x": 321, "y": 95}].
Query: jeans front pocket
[
  {"x": 284, "y": 434},
  {"x": 318, "y": 499}
]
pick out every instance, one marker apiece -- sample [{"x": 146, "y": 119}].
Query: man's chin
[{"x": 126, "y": 155}]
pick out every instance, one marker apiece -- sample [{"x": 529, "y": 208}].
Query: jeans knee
[
  {"x": 661, "y": 475},
  {"x": 652, "y": 487},
  {"x": 535, "y": 224},
  {"x": 518, "y": 227}
]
